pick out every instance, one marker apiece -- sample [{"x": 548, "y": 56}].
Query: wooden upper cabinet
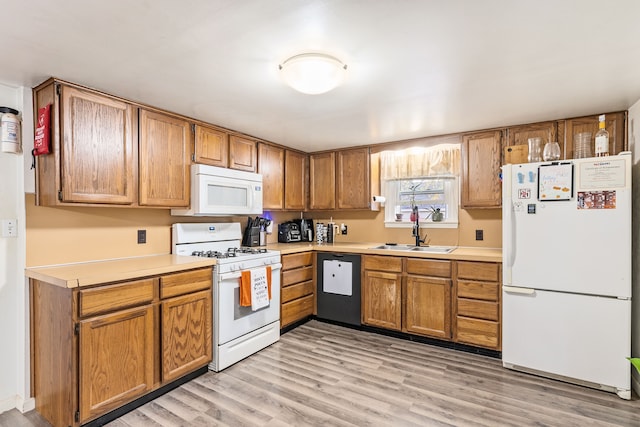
[
  {"x": 481, "y": 160},
  {"x": 322, "y": 180},
  {"x": 615, "y": 123},
  {"x": 353, "y": 182},
  {"x": 271, "y": 167},
  {"x": 519, "y": 135},
  {"x": 295, "y": 169},
  {"x": 242, "y": 153},
  {"x": 164, "y": 159},
  {"x": 211, "y": 146},
  {"x": 97, "y": 152}
]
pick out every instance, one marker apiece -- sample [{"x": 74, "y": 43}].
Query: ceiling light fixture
[{"x": 313, "y": 73}]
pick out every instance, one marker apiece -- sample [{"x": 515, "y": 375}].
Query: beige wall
[{"x": 68, "y": 234}]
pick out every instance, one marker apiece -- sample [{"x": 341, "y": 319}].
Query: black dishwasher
[{"x": 338, "y": 286}]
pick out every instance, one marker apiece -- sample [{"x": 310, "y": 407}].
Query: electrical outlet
[
  {"x": 479, "y": 234},
  {"x": 142, "y": 236},
  {"x": 343, "y": 229},
  {"x": 9, "y": 228}
]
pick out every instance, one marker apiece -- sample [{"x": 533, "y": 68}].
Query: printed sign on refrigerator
[
  {"x": 555, "y": 182},
  {"x": 608, "y": 173}
]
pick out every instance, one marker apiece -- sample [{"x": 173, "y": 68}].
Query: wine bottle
[{"x": 602, "y": 139}]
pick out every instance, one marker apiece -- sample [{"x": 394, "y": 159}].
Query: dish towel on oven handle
[{"x": 255, "y": 288}]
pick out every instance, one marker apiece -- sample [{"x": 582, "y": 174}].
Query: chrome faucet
[{"x": 416, "y": 227}]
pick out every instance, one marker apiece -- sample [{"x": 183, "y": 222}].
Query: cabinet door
[
  {"x": 242, "y": 154},
  {"x": 615, "y": 124},
  {"x": 211, "y": 146},
  {"x": 186, "y": 334},
  {"x": 164, "y": 161},
  {"x": 322, "y": 181},
  {"x": 97, "y": 150},
  {"x": 271, "y": 167},
  {"x": 381, "y": 299},
  {"x": 353, "y": 182},
  {"x": 428, "y": 306},
  {"x": 481, "y": 159},
  {"x": 519, "y": 136},
  {"x": 295, "y": 168},
  {"x": 116, "y": 360}
]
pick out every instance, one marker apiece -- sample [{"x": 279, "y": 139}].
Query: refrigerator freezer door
[
  {"x": 554, "y": 245},
  {"x": 581, "y": 337}
]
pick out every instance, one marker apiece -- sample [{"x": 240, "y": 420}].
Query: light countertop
[
  {"x": 96, "y": 272},
  {"x": 460, "y": 253}
]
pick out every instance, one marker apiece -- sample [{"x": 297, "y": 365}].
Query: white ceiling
[{"x": 416, "y": 67}]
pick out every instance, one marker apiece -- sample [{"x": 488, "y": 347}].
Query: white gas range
[{"x": 238, "y": 330}]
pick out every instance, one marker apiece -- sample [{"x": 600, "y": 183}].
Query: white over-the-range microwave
[{"x": 217, "y": 191}]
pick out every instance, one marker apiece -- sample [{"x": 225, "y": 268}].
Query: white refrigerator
[{"x": 566, "y": 288}]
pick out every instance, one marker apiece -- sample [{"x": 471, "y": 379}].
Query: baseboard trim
[
  {"x": 25, "y": 405},
  {"x": 8, "y": 404}
]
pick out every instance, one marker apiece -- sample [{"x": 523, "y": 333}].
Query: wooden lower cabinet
[
  {"x": 186, "y": 334},
  {"x": 116, "y": 359},
  {"x": 428, "y": 297},
  {"x": 297, "y": 297},
  {"x": 478, "y": 304},
  {"x": 382, "y": 292},
  {"x": 98, "y": 348}
]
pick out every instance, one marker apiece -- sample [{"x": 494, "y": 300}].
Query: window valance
[{"x": 438, "y": 160}]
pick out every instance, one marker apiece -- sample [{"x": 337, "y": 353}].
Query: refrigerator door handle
[{"x": 516, "y": 290}]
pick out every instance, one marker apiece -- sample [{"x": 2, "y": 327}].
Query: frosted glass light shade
[{"x": 313, "y": 73}]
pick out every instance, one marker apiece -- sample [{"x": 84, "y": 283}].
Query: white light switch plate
[{"x": 9, "y": 228}]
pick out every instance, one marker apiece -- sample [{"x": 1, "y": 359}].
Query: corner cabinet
[
  {"x": 340, "y": 179},
  {"x": 98, "y": 348},
  {"x": 481, "y": 160},
  {"x": 322, "y": 180},
  {"x": 107, "y": 151}
]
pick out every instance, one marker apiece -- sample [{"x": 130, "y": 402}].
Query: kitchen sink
[
  {"x": 412, "y": 248},
  {"x": 394, "y": 247},
  {"x": 434, "y": 249}
]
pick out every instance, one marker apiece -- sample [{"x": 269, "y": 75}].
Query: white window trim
[{"x": 390, "y": 193}]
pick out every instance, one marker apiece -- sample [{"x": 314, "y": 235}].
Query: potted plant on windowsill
[{"x": 436, "y": 214}]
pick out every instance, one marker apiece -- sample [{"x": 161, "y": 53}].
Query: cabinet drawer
[
  {"x": 185, "y": 282},
  {"x": 479, "y": 309},
  {"x": 297, "y": 260},
  {"x": 383, "y": 263},
  {"x": 296, "y": 276},
  {"x": 115, "y": 297},
  {"x": 296, "y": 291},
  {"x": 488, "y": 271},
  {"x": 296, "y": 310},
  {"x": 429, "y": 267},
  {"x": 484, "y": 333},
  {"x": 478, "y": 290}
]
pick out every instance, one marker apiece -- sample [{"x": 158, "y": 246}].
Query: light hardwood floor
[{"x": 322, "y": 374}]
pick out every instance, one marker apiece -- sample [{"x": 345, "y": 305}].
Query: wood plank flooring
[{"x": 322, "y": 374}]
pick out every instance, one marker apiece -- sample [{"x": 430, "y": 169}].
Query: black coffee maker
[{"x": 306, "y": 229}]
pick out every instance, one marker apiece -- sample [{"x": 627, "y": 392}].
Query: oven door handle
[{"x": 237, "y": 274}]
